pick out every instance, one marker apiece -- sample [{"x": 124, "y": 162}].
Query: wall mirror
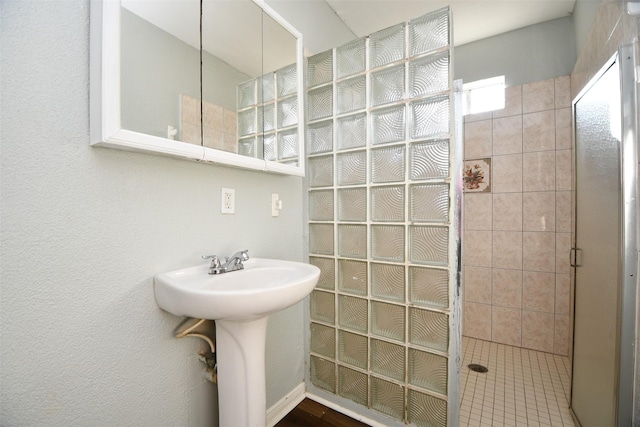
[{"x": 213, "y": 81}]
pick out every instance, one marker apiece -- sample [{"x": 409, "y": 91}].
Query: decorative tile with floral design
[{"x": 476, "y": 177}]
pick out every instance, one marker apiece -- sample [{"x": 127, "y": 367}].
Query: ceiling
[{"x": 473, "y": 19}]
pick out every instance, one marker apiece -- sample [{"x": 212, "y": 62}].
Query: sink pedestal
[
  {"x": 240, "y": 355},
  {"x": 239, "y": 303}
]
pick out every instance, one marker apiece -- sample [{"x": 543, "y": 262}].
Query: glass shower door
[
  {"x": 598, "y": 240},
  {"x": 604, "y": 314}
]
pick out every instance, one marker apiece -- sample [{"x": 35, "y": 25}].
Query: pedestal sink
[{"x": 240, "y": 303}]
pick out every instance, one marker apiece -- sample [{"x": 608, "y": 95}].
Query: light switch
[{"x": 276, "y": 204}]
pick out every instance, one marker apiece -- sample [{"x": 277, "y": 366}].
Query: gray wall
[
  {"x": 157, "y": 67},
  {"x": 538, "y": 52},
  {"x": 530, "y": 54},
  {"x": 534, "y": 53},
  {"x": 82, "y": 232}
]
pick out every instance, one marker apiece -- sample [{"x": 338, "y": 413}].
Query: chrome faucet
[
  {"x": 235, "y": 261},
  {"x": 232, "y": 263}
]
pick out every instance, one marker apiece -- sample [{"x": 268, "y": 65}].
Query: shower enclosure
[
  {"x": 605, "y": 253},
  {"x": 384, "y": 166}
]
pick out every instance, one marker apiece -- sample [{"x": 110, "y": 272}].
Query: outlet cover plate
[{"x": 228, "y": 201}]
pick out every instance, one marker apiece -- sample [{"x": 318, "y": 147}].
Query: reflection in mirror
[
  {"x": 264, "y": 99},
  {"x": 160, "y": 63},
  {"x": 279, "y": 103},
  {"x": 231, "y": 54}
]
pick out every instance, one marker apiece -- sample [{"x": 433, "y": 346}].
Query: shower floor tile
[{"x": 522, "y": 387}]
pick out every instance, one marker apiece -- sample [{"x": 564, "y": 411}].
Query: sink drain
[{"x": 478, "y": 368}]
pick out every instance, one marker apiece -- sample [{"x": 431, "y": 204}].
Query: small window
[{"x": 483, "y": 95}]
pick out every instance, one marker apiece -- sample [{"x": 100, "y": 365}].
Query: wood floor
[{"x": 312, "y": 414}]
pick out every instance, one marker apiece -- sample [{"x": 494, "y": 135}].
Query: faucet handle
[
  {"x": 213, "y": 258},
  {"x": 216, "y": 266}
]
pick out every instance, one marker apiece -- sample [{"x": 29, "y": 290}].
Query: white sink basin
[
  {"x": 239, "y": 302},
  {"x": 263, "y": 287}
]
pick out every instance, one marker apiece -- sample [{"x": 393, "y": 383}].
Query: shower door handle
[{"x": 575, "y": 257}]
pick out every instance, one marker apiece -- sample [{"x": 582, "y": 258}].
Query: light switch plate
[{"x": 276, "y": 204}]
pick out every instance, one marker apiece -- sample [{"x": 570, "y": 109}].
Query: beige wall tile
[
  {"x": 230, "y": 142},
  {"x": 507, "y": 211},
  {"x": 477, "y": 285},
  {"x": 564, "y": 216},
  {"x": 213, "y": 116},
  {"x": 507, "y": 249},
  {"x": 562, "y": 335},
  {"x": 510, "y": 242},
  {"x": 539, "y": 211},
  {"x": 478, "y": 211},
  {"x": 477, "y": 321},
  {"x": 506, "y": 324},
  {"x": 538, "y": 330},
  {"x": 538, "y": 96},
  {"x": 512, "y": 102},
  {"x": 539, "y": 131},
  {"x": 506, "y": 175},
  {"x": 506, "y": 288},
  {"x": 563, "y": 246},
  {"x": 477, "y": 248},
  {"x": 478, "y": 139},
  {"x": 602, "y": 42},
  {"x": 507, "y": 135},
  {"x": 563, "y": 294},
  {"x": 539, "y": 251},
  {"x": 613, "y": 11},
  {"x": 564, "y": 128},
  {"x": 562, "y": 91},
  {"x": 230, "y": 122},
  {"x": 191, "y": 133},
  {"x": 538, "y": 291},
  {"x": 189, "y": 110},
  {"x": 213, "y": 138},
  {"x": 564, "y": 170},
  {"x": 539, "y": 171}
]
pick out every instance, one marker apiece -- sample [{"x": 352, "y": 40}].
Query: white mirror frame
[{"x": 105, "y": 121}]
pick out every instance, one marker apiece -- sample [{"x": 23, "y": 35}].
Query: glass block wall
[
  {"x": 268, "y": 116},
  {"x": 383, "y": 224}
]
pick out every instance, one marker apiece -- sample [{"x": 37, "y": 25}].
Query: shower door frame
[{"x": 625, "y": 59}]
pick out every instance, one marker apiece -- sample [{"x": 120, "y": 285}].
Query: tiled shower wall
[
  {"x": 516, "y": 272},
  {"x": 219, "y": 126},
  {"x": 265, "y": 124},
  {"x": 382, "y": 225}
]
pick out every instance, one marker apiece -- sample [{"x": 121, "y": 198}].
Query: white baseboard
[{"x": 285, "y": 405}]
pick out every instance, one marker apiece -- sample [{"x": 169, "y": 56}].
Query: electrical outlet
[{"x": 228, "y": 201}]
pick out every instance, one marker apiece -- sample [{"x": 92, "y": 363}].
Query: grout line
[{"x": 523, "y": 387}]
